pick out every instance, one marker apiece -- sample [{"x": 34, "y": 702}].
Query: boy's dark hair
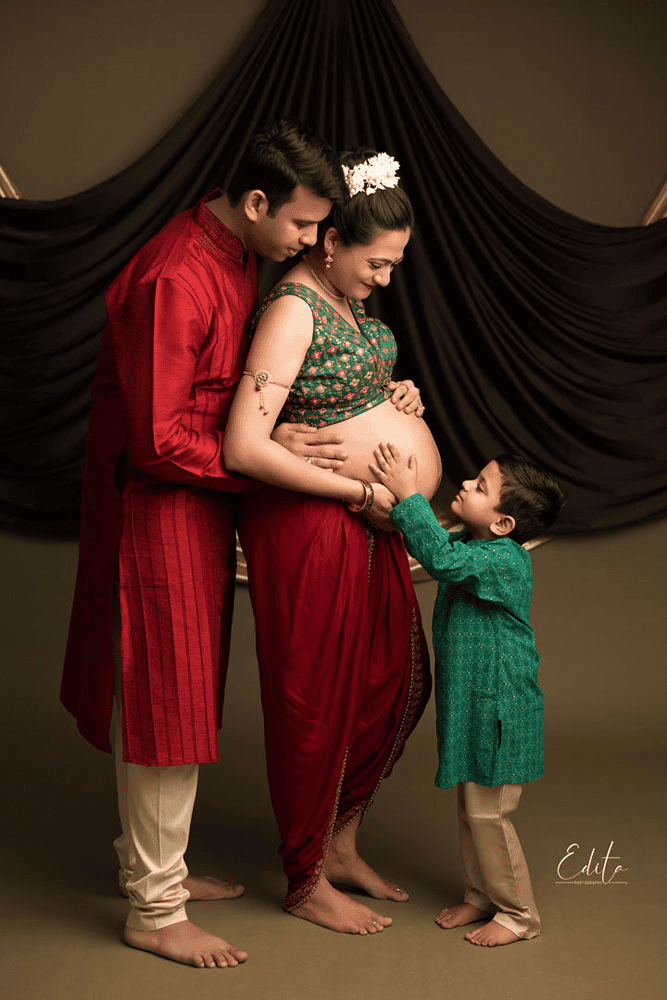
[
  {"x": 530, "y": 495},
  {"x": 280, "y": 156},
  {"x": 358, "y": 219}
]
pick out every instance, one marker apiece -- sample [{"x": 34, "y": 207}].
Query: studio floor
[{"x": 598, "y": 613}]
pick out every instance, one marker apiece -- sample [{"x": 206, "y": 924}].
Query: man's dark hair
[
  {"x": 530, "y": 495},
  {"x": 282, "y": 155},
  {"x": 360, "y": 218}
]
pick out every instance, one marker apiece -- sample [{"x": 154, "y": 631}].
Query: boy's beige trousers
[{"x": 495, "y": 874}]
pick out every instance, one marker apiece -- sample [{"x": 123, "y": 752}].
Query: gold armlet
[{"x": 262, "y": 378}]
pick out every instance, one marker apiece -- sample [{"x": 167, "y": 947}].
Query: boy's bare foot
[
  {"x": 207, "y": 887},
  {"x": 492, "y": 934},
  {"x": 184, "y": 942},
  {"x": 333, "y": 909},
  {"x": 457, "y": 916}
]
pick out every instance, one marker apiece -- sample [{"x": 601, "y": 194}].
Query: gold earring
[{"x": 328, "y": 260}]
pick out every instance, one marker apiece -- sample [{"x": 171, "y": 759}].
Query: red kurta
[{"x": 172, "y": 353}]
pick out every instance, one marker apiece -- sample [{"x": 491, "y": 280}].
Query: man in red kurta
[{"x": 157, "y": 550}]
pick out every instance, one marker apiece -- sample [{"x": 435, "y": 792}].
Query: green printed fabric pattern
[{"x": 345, "y": 371}]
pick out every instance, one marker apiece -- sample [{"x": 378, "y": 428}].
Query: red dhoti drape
[{"x": 343, "y": 665}]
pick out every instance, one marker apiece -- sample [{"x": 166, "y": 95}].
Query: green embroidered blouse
[
  {"x": 488, "y": 703},
  {"x": 345, "y": 371}
]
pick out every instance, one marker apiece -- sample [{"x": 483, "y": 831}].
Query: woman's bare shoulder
[
  {"x": 286, "y": 307},
  {"x": 286, "y": 326}
]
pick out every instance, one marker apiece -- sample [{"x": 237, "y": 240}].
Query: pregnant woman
[{"x": 342, "y": 656}]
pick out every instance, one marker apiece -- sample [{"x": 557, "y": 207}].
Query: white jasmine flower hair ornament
[{"x": 375, "y": 174}]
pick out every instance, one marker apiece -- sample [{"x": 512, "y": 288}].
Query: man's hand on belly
[{"x": 318, "y": 445}]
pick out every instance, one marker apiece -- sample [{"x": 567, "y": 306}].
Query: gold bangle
[{"x": 367, "y": 502}]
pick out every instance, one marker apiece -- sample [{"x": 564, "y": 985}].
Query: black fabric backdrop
[{"x": 526, "y": 328}]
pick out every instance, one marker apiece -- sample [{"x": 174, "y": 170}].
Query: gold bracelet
[{"x": 367, "y": 502}]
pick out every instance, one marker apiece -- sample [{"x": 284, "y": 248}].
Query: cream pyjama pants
[{"x": 155, "y": 806}]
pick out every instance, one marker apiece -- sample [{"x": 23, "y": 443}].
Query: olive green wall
[{"x": 570, "y": 94}]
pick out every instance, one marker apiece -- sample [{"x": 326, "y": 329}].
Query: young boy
[{"x": 488, "y": 703}]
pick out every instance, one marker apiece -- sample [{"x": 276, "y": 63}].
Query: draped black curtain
[{"x": 526, "y": 328}]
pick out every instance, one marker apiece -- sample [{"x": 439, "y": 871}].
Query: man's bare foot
[
  {"x": 207, "y": 887},
  {"x": 184, "y": 942},
  {"x": 492, "y": 934},
  {"x": 457, "y": 916},
  {"x": 333, "y": 909}
]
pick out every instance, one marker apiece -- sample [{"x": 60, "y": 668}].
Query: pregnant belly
[{"x": 385, "y": 424}]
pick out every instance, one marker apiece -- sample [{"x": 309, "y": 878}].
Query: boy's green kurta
[{"x": 488, "y": 703}]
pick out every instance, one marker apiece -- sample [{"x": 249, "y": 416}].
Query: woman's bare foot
[
  {"x": 492, "y": 934},
  {"x": 354, "y": 871},
  {"x": 333, "y": 909},
  {"x": 345, "y": 866},
  {"x": 207, "y": 887},
  {"x": 184, "y": 942},
  {"x": 457, "y": 916}
]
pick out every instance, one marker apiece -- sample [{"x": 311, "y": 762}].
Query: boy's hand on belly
[
  {"x": 316, "y": 445},
  {"x": 398, "y": 474}
]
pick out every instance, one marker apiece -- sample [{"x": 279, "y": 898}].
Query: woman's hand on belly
[
  {"x": 406, "y": 397},
  {"x": 383, "y": 503}
]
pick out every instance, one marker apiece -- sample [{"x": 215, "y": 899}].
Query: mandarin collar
[{"x": 217, "y": 231}]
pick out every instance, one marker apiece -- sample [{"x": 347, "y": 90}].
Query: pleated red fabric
[
  {"x": 343, "y": 665},
  {"x": 157, "y": 511},
  {"x": 177, "y": 566}
]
